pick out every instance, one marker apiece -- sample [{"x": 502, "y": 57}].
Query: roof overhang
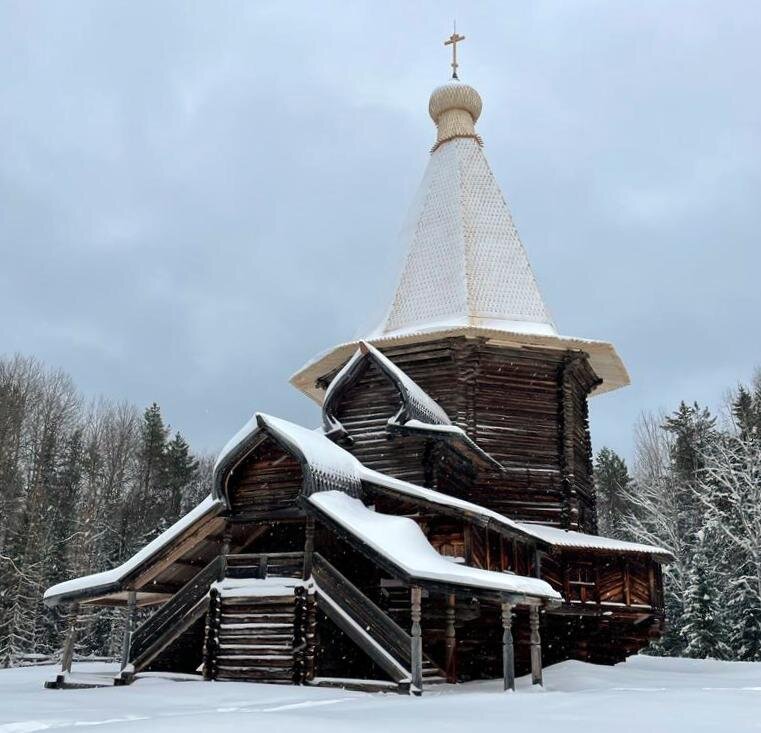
[{"x": 603, "y": 358}]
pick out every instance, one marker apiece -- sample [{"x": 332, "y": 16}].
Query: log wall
[{"x": 527, "y": 407}]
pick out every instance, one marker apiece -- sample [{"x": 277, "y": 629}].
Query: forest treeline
[
  {"x": 83, "y": 485},
  {"x": 695, "y": 489}
]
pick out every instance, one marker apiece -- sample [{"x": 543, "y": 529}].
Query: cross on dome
[{"x": 453, "y": 40}]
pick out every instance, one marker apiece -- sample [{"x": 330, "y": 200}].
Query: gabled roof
[
  {"x": 416, "y": 403},
  {"x": 420, "y": 414},
  {"x": 326, "y": 465}
]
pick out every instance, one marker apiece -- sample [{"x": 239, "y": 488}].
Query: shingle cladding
[{"x": 465, "y": 261}]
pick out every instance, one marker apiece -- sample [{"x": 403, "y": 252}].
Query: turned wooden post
[
  {"x": 308, "y": 547},
  {"x": 416, "y": 651},
  {"x": 71, "y": 637},
  {"x": 451, "y": 639},
  {"x": 536, "y": 646},
  {"x": 129, "y": 626},
  {"x": 508, "y": 652}
]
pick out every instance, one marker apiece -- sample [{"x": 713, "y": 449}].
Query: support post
[
  {"x": 71, "y": 637},
  {"x": 308, "y": 547},
  {"x": 129, "y": 627},
  {"x": 451, "y": 639},
  {"x": 416, "y": 652},
  {"x": 224, "y": 551},
  {"x": 508, "y": 651},
  {"x": 536, "y": 646}
]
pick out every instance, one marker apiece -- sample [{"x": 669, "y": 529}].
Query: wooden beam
[
  {"x": 508, "y": 651},
  {"x": 308, "y": 547},
  {"x": 129, "y": 627},
  {"x": 416, "y": 649},
  {"x": 71, "y": 637},
  {"x": 212, "y": 524},
  {"x": 451, "y": 639},
  {"x": 536, "y": 646}
]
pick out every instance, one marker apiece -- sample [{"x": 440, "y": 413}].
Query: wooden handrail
[
  {"x": 355, "y": 603},
  {"x": 174, "y": 609}
]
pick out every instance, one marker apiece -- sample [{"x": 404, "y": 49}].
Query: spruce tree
[
  {"x": 611, "y": 482},
  {"x": 702, "y": 626},
  {"x": 180, "y": 470}
]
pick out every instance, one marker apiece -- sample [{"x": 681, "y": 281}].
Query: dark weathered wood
[
  {"x": 67, "y": 656},
  {"x": 508, "y": 652},
  {"x": 416, "y": 653},
  {"x": 129, "y": 627},
  {"x": 536, "y": 647}
]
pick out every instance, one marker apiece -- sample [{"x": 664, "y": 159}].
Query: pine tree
[{"x": 611, "y": 482}]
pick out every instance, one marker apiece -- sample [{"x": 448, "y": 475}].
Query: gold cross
[{"x": 454, "y": 39}]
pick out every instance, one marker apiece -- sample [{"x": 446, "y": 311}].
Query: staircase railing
[
  {"x": 151, "y": 637},
  {"x": 265, "y": 564},
  {"x": 382, "y": 639}
]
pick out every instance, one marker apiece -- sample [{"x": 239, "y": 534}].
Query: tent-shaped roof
[{"x": 467, "y": 272}]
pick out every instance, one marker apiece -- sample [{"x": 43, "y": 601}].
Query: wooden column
[
  {"x": 71, "y": 637},
  {"x": 451, "y": 639},
  {"x": 224, "y": 550},
  {"x": 536, "y": 646},
  {"x": 129, "y": 626},
  {"x": 508, "y": 652},
  {"x": 308, "y": 547},
  {"x": 416, "y": 651}
]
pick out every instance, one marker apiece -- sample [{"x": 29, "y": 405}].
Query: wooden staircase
[
  {"x": 263, "y": 631},
  {"x": 371, "y": 628},
  {"x": 169, "y": 624}
]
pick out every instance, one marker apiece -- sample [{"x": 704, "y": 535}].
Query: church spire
[
  {"x": 466, "y": 265},
  {"x": 466, "y": 273}
]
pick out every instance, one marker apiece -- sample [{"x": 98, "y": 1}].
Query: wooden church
[{"x": 440, "y": 526}]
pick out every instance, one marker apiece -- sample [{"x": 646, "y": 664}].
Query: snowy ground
[{"x": 643, "y": 695}]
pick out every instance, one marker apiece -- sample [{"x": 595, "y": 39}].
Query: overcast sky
[{"x": 196, "y": 198}]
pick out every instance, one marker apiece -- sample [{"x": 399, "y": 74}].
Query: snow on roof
[
  {"x": 113, "y": 577},
  {"x": 437, "y": 497},
  {"x": 331, "y": 467},
  {"x": 578, "y": 540},
  {"x": 326, "y": 465},
  {"x": 453, "y": 432},
  {"x": 418, "y": 403},
  {"x": 402, "y": 542}
]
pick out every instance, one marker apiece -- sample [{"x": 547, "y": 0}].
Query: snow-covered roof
[
  {"x": 110, "y": 580},
  {"x": 579, "y": 541},
  {"x": 432, "y": 496},
  {"x": 401, "y": 541},
  {"x": 452, "y": 434},
  {"x": 418, "y": 404},
  {"x": 325, "y": 464}
]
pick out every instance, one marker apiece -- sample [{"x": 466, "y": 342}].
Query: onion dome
[{"x": 455, "y": 108}]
